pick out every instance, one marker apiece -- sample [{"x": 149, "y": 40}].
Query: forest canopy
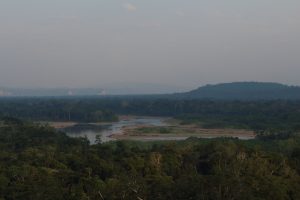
[
  {"x": 255, "y": 115},
  {"x": 37, "y": 162}
]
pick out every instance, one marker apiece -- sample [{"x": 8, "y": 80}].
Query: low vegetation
[{"x": 154, "y": 129}]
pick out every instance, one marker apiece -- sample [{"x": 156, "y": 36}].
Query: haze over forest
[
  {"x": 149, "y": 100},
  {"x": 154, "y": 46}
]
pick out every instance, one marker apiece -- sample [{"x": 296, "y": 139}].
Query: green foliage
[
  {"x": 55, "y": 110},
  {"x": 255, "y": 115},
  {"x": 161, "y": 130},
  {"x": 37, "y": 162}
]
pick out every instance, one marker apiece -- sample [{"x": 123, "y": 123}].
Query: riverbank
[
  {"x": 59, "y": 125},
  {"x": 62, "y": 125},
  {"x": 146, "y": 128},
  {"x": 145, "y": 133}
]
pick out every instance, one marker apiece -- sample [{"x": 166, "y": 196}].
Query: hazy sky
[{"x": 185, "y": 43}]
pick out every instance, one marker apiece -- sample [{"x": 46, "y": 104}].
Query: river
[{"x": 106, "y": 130}]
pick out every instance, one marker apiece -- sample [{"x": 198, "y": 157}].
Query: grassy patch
[{"x": 160, "y": 130}]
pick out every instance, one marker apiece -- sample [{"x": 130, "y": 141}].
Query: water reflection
[{"x": 105, "y": 131}]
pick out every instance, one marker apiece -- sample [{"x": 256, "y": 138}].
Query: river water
[
  {"x": 106, "y": 130},
  {"x": 90, "y": 131}
]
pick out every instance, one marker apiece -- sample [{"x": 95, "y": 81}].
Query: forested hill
[{"x": 243, "y": 91}]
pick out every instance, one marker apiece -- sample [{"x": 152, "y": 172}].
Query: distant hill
[
  {"x": 243, "y": 91},
  {"x": 222, "y": 91}
]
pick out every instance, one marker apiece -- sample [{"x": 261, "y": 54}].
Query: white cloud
[{"x": 130, "y": 7}]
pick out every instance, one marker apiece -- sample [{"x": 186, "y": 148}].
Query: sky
[{"x": 164, "y": 43}]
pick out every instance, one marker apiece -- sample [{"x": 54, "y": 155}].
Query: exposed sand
[{"x": 181, "y": 133}]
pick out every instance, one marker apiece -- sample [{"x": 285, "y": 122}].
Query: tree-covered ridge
[
  {"x": 243, "y": 91},
  {"x": 37, "y": 162},
  {"x": 254, "y": 115},
  {"x": 44, "y": 109}
]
